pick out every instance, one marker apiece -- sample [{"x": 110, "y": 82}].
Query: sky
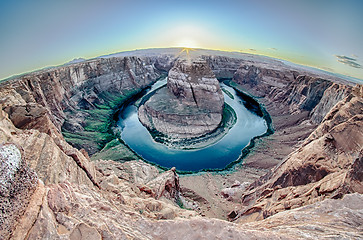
[{"x": 326, "y": 34}]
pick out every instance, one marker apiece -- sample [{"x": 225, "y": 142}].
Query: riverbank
[
  {"x": 215, "y": 153},
  {"x": 207, "y": 188}
]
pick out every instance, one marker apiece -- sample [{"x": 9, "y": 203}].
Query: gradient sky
[{"x": 326, "y": 34}]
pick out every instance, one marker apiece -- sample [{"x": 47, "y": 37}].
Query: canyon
[
  {"x": 191, "y": 106},
  {"x": 65, "y": 175}
]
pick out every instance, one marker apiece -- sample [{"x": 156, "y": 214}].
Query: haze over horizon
[{"x": 322, "y": 34}]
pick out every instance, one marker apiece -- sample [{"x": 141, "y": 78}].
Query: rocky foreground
[
  {"x": 191, "y": 106},
  {"x": 312, "y": 188}
]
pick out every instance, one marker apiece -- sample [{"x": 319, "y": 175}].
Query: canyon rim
[{"x": 64, "y": 174}]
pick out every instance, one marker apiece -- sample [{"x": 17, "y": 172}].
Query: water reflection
[{"x": 215, "y": 156}]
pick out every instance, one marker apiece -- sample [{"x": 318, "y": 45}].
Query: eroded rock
[
  {"x": 191, "y": 105},
  {"x": 324, "y": 167},
  {"x": 17, "y": 184}
]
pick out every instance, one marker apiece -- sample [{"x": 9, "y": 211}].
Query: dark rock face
[
  {"x": 308, "y": 92},
  {"x": 191, "y": 106}
]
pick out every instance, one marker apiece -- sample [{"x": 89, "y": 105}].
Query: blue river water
[{"x": 215, "y": 156}]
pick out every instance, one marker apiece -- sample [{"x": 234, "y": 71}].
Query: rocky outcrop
[
  {"x": 17, "y": 184},
  {"x": 50, "y": 190},
  {"x": 145, "y": 177},
  {"x": 306, "y": 93},
  {"x": 223, "y": 67},
  {"x": 324, "y": 167},
  {"x": 48, "y": 155},
  {"x": 290, "y": 90},
  {"x": 78, "y": 99},
  {"x": 332, "y": 95},
  {"x": 74, "y": 211},
  {"x": 263, "y": 80},
  {"x": 118, "y": 211},
  {"x": 69, "y": 205},
  {"x": 194, "y": 84},
  {"x": 190, "y": 107},
  {"x": 69, "y": 211}
]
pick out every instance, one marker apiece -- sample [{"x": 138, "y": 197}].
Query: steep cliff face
[
  {"x": 325, "y": 166},
  {"x": 290, "y": 90},
  {"x": 73, "y": 194},
  {"x": 48, "y": 155},
  {"x": 50, "y": 190},
  {"x": 43, "y": 101},
  {"x": 223, "y": 67},
  {"x": 191, "y": 106},
  {"x": 332, "y": 95},
  {"x": 79, "y": 99},
  {"x": 195, "y": 85}
]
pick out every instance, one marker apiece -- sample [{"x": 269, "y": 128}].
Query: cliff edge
[{"x": 191, "y": 106}]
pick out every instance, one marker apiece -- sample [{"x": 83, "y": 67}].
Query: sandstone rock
[
  {"x": 84, "y": 232},
  {"x": 306, "y": 93},
  {"x": 79, "y": 200},
  {"x": 331, "y": 96},
  {"x": 331, "y": 218},
  {"x": 336, "y": 218},
  {"x": 165, "y": 185},
  {"x": 17, "y": 184},
  {"x": 166, "y": 213},
  {"x": 195, "y": 84},
  {"x": 317, "y": 170},
  {"x": 46, "y": 99},
  {"x": 235, "y": 191},
  {"x": 190, "y": 107},
  {"x": 31, "y": 213},
  {"x": 137, "y": 172}
]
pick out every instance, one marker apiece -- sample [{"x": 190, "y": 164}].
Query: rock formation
[
  {"x": 51, "y": 190},
  {"x": 17, "y": 184},
  {"x": 326, "y": 166},
  {"x": 191, "y": 105}
]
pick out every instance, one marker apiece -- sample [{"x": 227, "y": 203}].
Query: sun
[
  {"x": 186, "y": 53},
  {"x": 187, "y": 43}
]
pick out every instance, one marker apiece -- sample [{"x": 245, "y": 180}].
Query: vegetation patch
[
  {"x": 98, "y": 136},
  {"x": 228, "y": 93},
  {"x": 116, "y": 151}
]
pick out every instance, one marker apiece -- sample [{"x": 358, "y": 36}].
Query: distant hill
[{"x": 174, "y": 52}]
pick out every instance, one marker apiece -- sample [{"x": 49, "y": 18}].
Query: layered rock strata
[
  {"x": 191, "y": 106},
  {"x": 327, "y": 165},
  {"x": 296, "y": 100},
  {"x": 50, "y": 190}
]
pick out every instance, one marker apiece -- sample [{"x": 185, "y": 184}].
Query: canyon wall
[
  {"x": 325, "y": 164},
  {"x": 45, "y": 181},
  {"x": 191, "y": 106},
  {"x": 52, "y": 190}
]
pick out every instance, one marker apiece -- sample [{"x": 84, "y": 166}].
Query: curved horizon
[
  {"x": 80, "y": 59},
  {"x": 326, "y": 35}
]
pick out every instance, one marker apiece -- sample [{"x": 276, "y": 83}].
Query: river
[{"x": 215, "y": 156}]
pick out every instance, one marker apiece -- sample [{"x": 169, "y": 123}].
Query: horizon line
[{"x": 16, "y": 75}]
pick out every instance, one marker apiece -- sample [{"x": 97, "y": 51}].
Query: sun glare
[{"x": 187, "y": 43}]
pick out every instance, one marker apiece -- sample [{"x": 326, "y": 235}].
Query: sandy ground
[{"x": 205, "y": 188}]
